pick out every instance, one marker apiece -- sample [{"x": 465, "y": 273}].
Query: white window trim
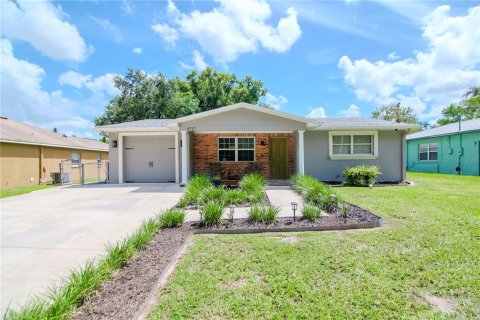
[
  {"x": 352, "y": 156},
  {"x": 428, "y": 151},
  {"x": 236, "y": 149},
  {"x": 79, "y": 159}
]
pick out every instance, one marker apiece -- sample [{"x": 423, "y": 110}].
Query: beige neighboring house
[{"x": 28, "y": 155}]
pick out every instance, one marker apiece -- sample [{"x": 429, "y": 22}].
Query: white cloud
[
  {"x": 111, "y": 30},
  {"x": 23, "y": 98},
  {"x": 74, "y": 79},
  {"x": 317, "y": 113},
  {"x": 393, "y": 56},
  {"x": 351, "y": 112},
  {"x": 137, "y": 50},
  {"x": 101, "y": 85},
  {"x": 127, "y": 7},
  {"x": 234, "y": 28},
  {"x": 434, "y": 77},
  {"x": 168, "y": 34},
  {"x": 43, "y": 26},
  {"x": 275, "y": 101},
  {"x": 198, "y": 62}
]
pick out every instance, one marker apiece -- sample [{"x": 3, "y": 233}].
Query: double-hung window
[
  {"x": 428, "y": 152},
  {"x": 75, "y": 159},
  {"x": 236, "y": 149},
  {"x": 351, "y": 145}
]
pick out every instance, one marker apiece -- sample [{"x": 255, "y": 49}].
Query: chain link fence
[{"x": 76, "y": 172}]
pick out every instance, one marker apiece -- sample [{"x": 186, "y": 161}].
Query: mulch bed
[
  {"x": 123, "y": 295},
  {"x": 357, "y": 217}
]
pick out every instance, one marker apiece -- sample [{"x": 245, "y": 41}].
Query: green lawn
[
  {"x": 429, "y": 246},
  {"x": 21, "y": 190}
]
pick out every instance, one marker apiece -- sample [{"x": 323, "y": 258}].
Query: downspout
[
  {"x": 404, "y": 156},
  {"x": 460, "y": 151}
]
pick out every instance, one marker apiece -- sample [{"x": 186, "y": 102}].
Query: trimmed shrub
[
  {"x": 195, "y": 188},
  {"x": 360, "y": 175},
  {"x": 252, "y": 183},
  {"x": 311, "y": 212},
  {"x": 171, "y": 218},
  {"x": 268, "y": 214},
  {"x": 234, "y": 197},
  {"x": 212, "y": 194},
  {"x": 212, "y": 213}
]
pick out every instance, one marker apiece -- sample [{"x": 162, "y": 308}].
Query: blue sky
[{"x": 317, "y": 58}]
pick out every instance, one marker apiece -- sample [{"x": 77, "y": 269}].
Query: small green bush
[
  {"x": 183, "y": 202},
  {"x": 252, "y": 183},
  {"x": 212, "y": 194},
  {"x": 311, "y": 212},
  {"x": 195, "y": 188},
  {"x": 172, "y": 218},
  {"x": 255, "y": 214},
  {"x": 301, "y": 184},
  {"x": 233, "y": 197},
  {"x": 256, "y": 197},
  {"x": 259, "y": 214},
  {"x": 360, "y": 175},
  {"x": 315, "y": 193},
  {"x": 270, "y": 214},
  {"x": 212, "y": 213}
]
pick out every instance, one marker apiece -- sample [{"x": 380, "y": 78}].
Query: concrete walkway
[
  {"x": 46, "y": 233},
  {"x": 281, "y": 196}
]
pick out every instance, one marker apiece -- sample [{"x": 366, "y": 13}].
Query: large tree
[
  {"x": 395, "y": 112},
  {"x": 153, "y": 96},
  {"x": 467, "y": 109}
]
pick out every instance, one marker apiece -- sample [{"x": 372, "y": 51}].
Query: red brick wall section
[{"x": 206, "y": 151}]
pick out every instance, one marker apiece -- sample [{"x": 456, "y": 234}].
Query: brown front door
[{"x": 278, "y": 154}]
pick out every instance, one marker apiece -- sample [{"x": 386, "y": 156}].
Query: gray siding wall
[
  {"x": 243, "y": 120},
  {"x": 319, "y": 165},
  {"x": 113, "y": 158}
]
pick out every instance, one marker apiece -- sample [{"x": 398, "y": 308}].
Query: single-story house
[
  {"x": 453, "y": 148},
  {"x": 29, "y": 154},
  {"x": 231, "y": 140}
]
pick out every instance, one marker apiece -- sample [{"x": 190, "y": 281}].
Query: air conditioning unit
[{"x": 56, "y": 178}]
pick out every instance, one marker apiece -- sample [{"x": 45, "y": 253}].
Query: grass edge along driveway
[
  {"x": 429, "y": 247},
  {"x": 22, "y": 190}
]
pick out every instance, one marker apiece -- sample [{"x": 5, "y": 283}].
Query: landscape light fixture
[
  {"x": 232, "y": 212},
  {"x": 294, "y": 208}
]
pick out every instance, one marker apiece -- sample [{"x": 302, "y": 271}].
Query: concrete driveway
[{"x": 46, "y": 233}]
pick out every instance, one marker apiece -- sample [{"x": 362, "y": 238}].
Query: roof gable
[{"x": 247, "y": 106}]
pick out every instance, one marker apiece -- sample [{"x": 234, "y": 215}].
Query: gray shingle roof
[
  {"x": 14, "y": 131},
  {"x": 466, "y": 126},
  {"x": 367, "y": 122},
  {"x": 147, "y": 123}
]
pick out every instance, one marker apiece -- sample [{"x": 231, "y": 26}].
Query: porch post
[
  {"x": 301, "y": 153},
  {"x": 120, "y": 158},
  {"x": 184, "y": 157}
]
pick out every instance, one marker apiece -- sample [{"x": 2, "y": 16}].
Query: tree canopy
[
  {"x": 467, "y": 109},
  {"x": 395, "y": 112},
  {"x": 153, "y": 96}
]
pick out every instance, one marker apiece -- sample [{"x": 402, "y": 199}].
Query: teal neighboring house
[{"x": 453, "y": 148}]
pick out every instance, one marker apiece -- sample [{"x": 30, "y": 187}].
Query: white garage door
[{"x": 149, "y": 159}]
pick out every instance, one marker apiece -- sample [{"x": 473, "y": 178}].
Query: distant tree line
[
  {"x": 467, "y": 109},
  {"x": 154, "y": 96}
]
